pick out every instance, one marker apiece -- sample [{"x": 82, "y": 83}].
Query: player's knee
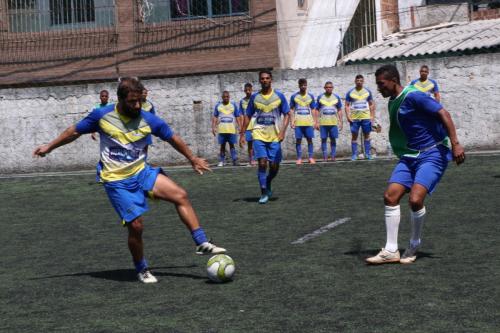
[
  {"x": 416, "y": 202},
  {"x": 390, "y": 199},
  {"x": 136, "y": 226},
  {"x": 298, "y": 141},
  {"x": 181, "y": 196}
]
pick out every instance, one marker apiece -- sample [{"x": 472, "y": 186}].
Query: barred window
[{"x": 71, "y": 11}]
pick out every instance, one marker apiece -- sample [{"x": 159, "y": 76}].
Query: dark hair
[
  {"x": 359, "y": 76},
  {"x": 266, "y": 71},
  {"x": 248, "y": 85},
  {"x": 389, "y": 72},
  {"x": 225, "y": 92},
  {"x": 127, "y": 85},
  {"x": 104, "y": 90},
  {"x": 424, "y": 66},
  {"x": 302, "y": 81},
  {"x": 328, "y": 82}
]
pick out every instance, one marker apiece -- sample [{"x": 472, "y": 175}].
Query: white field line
[{"x": 321, "y": 230}]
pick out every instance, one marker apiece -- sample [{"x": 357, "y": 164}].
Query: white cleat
[
  {"x": 409, "y": 256},
  {"x": 209, "y": 248},
  {"x": 146, "y": 276},
  {"x": 220, "y": 164},
  {"x": 383, "y": 257}
]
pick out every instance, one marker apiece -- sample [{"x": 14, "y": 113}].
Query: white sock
[
  {"x": 392, "y": 218},
  {"x": 417, "y": 222}
]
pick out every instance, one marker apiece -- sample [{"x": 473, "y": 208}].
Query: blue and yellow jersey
[
  {"x": 100, "y": 105},
  {"x": 428, "y": 87},
  {"x": 359, "y": 103},
  {"x": 267, "y": 110},
  {"x": 328, "y": 107},
  {"x": 226, "y": 117},
  {"x": 243, "y": 111},
  {"x": 303, "y": 106},
  {"x": 124, "y": 140},
  {"x": 148, "y": 107}
]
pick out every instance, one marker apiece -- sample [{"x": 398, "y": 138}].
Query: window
[
  {"x": 180, "y": 9},
  {"x": 71, "y": 11}
]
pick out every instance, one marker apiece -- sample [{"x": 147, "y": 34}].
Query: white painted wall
[{"x": 33, "y": 116}]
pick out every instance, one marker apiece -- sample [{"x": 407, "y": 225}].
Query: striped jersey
[
  {"x": 123, "y": 140},
  {"x": 226, "y": 117},
  {"x": 359, "y": 103},
  {"x": 428, "y": 87},
  {"x": 267, "y": 110},
  {"x": 328, "y": 106},
  {"x": 303, "y": 106}
]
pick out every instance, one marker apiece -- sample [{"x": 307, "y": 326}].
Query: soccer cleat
[
  {"x": 209, "y": 248},
  {"x": 253, "y": 163},
  {"x": 312, "y": 161},
  {"x": 220, "y": 164},
  {"x": 146, "y": 276},
  {"x": 409, "y": 256},
  {"x": 299, "y": 161},
  {"x": 369, "y": 157},
  {"x": 383, "y": 257},
  {"x": 264, "y": 198},
  {"x": 354, "y": 158}
]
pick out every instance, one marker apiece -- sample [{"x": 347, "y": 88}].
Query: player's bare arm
[
  {"x": 348, "y": 112},
  {"x": 456, "y": 147},
  {"x": 214, "y": 125},
  {"x": 69, "y": 135},
  {"x": 198, "y": 164},
  {"x": 286, "y": 120},
  {"x": 315, "y": 113},
  {"x": 371, "y": 105},
  {"x": 292, "y": 117},
  {"x": 340, "y": 118},
  {"x": 246, "y": 121},
  {"x": 437, "y": 96}
]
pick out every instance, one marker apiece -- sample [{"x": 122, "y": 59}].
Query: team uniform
[
  {"x": 226, "y": 128},
  {"x": 304, "y": 122},
  {"x": 123, "y": 170},
  {"x": 360, "y": 115},
  {"x": 328, "y": 121},
  {"x": 428, "y": 87},
  {"x": 243, "y": 110},
  {"x": 419, "y": 139},
  {"x": 267, "y": 110}
]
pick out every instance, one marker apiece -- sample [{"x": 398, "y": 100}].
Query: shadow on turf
[
  {"x": 129, "y": 275},
  {"x": 253, "y": 199}
]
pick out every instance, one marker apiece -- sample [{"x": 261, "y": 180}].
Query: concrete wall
[
  {"x": 416, "y": 16},
  {"x": 32, "y": 116}
]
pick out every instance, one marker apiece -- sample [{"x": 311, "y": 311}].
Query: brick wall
[
  {"x": 486, "y": 14},
  {"x": 389, "y": 16}
]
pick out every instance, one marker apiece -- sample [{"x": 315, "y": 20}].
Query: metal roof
[
  {"x": 321, "y": 35},
  {"x": 449, "y": 37}
]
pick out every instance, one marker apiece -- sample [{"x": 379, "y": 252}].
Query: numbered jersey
[
  {"x": 359, "y": 101},
  {"x": 123, "y": 140},
  {"x": 328, "y": 106},
  {"x": 226, "y": 115},
  {"x": 303, "y": 106},
  {"x": 267, "y": 110}
]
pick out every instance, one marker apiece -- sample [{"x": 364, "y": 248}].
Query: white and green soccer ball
[{"x": 220, "y": 268}]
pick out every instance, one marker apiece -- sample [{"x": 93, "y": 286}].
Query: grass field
[{"x": 66, "y": 267}]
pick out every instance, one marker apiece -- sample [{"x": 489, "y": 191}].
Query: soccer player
[
  {"x": 330, "y": 120},
  {"x": 146, "y": 105},
  {"x": 360, "y": 112},
  {"x": 247, "y": 89},
  {"x": 426, "y": 85},
  {"x": 423, "y": 136},
  {"x": 104, "y": 100},
  {"x": 127, "y": 178},
  {"x": 303, "y": 118},
  {"x": 225, "y": 118},
  {"x": 267, "y": 106}
]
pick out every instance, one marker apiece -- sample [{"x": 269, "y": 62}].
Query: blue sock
[
  {"x": 354, "y": 147},
  {"x": 140, "y": 265},
  {"x": 298, "y": 148},
  {"x": 261, "y": 174},
  {"x": 368, "y": 146},
  {"x": 272, "y": 174},
  {"x": 310, "y": 149},
  {"x": 222, "y": 157},
  {"x": 333, "y": 145},
  {"x": 323, "y": 148},
  {"x": 234, "y": 154},
  {"x": 199, "y": 236}
]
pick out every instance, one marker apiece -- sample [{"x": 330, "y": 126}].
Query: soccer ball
[{"x": 220, "y": 268}]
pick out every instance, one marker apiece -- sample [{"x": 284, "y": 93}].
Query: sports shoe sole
[
  {"x": 389, "y": 261},
  {"x": 408, "y": 260}
]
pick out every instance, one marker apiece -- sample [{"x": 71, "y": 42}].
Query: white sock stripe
[
  {"x": 392, "y": 210},
  {"x": 418, "y": 213}
]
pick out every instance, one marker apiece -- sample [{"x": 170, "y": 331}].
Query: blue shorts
[
  {"x": 269, "y": 150},
  {"x": 227, "y": 137},
  {"x": 426, "y": 170},
  {"x": 129, "y": 196},
  {"x": 331, "y": 132},
  {"x": 365, "y": 124},
  {"x": 304, "y": 131},
  {"x": 248, "y": 136}
]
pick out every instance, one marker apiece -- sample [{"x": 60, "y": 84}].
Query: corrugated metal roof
[
  {"x": 321, "y": 35},
  {"x": 443, "y": 38}
]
